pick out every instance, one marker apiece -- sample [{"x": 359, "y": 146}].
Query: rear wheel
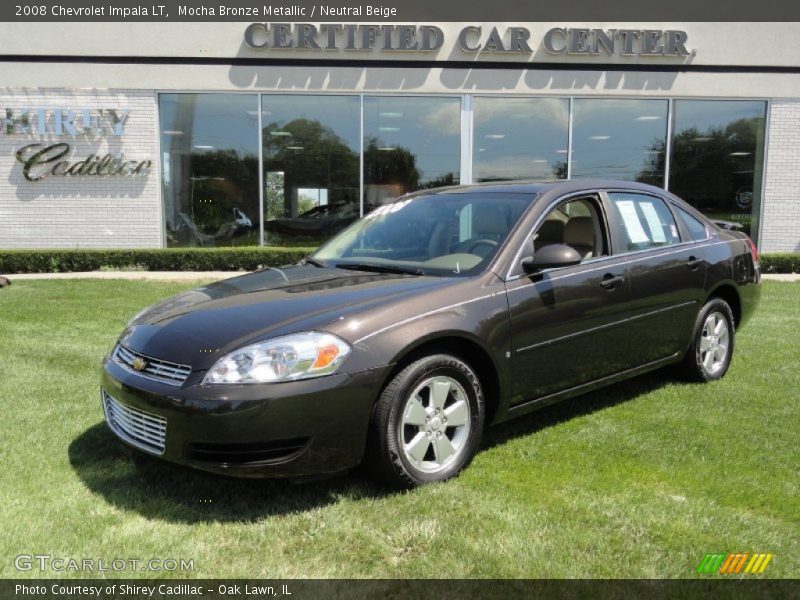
[
  {"x": 710, "y": 354},
  {"x": 427, "y": 423}
]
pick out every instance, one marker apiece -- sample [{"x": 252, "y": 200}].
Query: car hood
[{"x": 199, "y": 326}]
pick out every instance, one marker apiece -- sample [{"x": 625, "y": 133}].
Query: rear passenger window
[
  {"x": 645, "y": 221},
  {"x": 696, "y": 227}
]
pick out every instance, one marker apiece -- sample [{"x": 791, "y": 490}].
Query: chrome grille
[
  {"x": 154, "y": 368},
  {"x": 137, "y": 427}
]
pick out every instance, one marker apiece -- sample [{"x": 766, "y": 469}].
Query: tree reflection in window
[
  {"x": 717, "y": 158},
  {"x": 210, "y": 169},
  {"x": 410, "y": 143},
  {"x": 311, "y": 167}
]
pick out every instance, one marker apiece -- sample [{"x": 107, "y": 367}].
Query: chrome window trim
[
  {"x": 550, "y": 207},
  {"x": 695, "y": 217},
  {"x": 538, "y": 222},
  {"x": 668, "y": 201},
  {"x": 672, "y": 250}
]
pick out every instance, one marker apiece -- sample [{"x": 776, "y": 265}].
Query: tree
[
  {"x": 708, "y": 168},
  {"x": 653, "y": 171},
  {"x": 713, "y": 169},
  {"x": 274, "y": 186},
  {"x": 220, "y": 181},
  {"x": 390, "y": 167},
  {"x": 442, "y": 180},
  {"x": 310, "y": 155}
]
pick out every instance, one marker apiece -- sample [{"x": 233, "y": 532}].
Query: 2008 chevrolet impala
[{"x": 400, "y": 338}]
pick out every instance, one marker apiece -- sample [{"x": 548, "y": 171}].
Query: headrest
[
  {"x": 552, "y": 230},
  {"x": 579, "y": 231}
]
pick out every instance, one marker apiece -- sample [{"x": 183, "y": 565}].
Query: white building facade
[{"x": 138, "y": 135}]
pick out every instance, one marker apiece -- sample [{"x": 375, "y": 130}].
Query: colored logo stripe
[
  {"x": 758, "y": 563},
  {"x": 734, "y": 563},
  {"x": 710, "y": 563}
]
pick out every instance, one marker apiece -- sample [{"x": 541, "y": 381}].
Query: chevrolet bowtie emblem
[{"x": 139, "y": 364}]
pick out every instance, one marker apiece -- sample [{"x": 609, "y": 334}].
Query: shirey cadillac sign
[
  {"x": 472, "y": 39},
  {"x": 54, "y": 157}
]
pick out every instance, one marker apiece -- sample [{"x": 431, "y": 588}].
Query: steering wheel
[{"x": 484, "y": 242}]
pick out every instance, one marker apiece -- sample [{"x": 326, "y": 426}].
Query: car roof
[{"x": 539, "y": 186}]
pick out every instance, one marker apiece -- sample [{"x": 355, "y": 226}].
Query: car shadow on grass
[
  {"x": 577, "y": 406},
  {"x": 160, "y": 490}
]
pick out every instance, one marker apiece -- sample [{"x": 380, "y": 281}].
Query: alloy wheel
[
  {"x": 714, "y": 343},
  {"x": 435, "y": 424}
]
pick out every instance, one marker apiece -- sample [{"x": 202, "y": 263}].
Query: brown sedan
[{"x": 401, "y": 337}]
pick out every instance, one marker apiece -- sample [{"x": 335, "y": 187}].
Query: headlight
[{"x": 298, "y": 356}]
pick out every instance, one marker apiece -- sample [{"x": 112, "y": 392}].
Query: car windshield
[{"x": 438, "y": 234}]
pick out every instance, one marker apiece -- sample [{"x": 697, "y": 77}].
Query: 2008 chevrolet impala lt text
[{"x": 400, "y": 338}]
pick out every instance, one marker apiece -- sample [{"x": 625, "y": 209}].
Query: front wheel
[
  {"x": 427, "y": 423},
  {"x": 709, "y": 356}
]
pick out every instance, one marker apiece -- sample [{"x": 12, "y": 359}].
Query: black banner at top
[{"x": 391, "y": 11}]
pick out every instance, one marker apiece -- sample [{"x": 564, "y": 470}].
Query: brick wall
[
  {"x": 781, "y": 210},
  {"x": 81, "y": 211}
]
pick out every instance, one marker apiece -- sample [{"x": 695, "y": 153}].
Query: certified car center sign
[
  {"x": 52, "y": 155},
  {"x": 472, "y": 39}
]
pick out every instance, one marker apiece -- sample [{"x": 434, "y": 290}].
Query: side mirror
[{"x": 551, "y": 256}]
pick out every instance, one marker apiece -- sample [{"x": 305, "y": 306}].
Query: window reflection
[
  {"x": 311, "y": 145},
  {"x": 209, "y": 149},
  {"x": 619, "y": 139},
  {"x": 410, "y": 143},
  {"x": 717, "y": 158},
  {"x": 311, "y": 167},
  {"x": 520, "y": 138}
]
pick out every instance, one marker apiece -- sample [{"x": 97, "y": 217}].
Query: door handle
[
  {"x": 610, "y": 281},
  {"x": 694, "y": 262}
]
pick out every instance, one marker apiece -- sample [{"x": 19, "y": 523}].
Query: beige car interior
[{"x": 575, "y": 223}]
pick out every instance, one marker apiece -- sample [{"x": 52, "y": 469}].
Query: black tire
[
  {"x": 694, "y": 368},
  {"x": 385, "y": 457}
]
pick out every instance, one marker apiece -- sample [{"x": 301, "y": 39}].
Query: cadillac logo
[{"x": 139, "y": 364}]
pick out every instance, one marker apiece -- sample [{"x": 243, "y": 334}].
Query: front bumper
[{"x": 293, "y": 429}]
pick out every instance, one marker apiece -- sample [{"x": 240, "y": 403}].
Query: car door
[
  {"x": 567, "y": 323},
  {"x": 667, "y": 274}
]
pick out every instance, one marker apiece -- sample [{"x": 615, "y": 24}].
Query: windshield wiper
[
  {"x": 308, "y": 260},
  {"x": 380, "y": 268}
]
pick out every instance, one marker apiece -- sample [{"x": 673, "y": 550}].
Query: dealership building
[{"x": 143, "y": 135}]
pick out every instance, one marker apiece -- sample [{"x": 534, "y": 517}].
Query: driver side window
[{"x": 576, "y": 223}]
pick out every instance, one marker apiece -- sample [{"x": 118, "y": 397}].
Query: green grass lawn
[{"x": 637, "y": 480}]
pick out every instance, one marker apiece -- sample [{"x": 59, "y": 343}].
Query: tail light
[{"x": 753, "y": 251}]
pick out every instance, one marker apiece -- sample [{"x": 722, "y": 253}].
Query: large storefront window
[
  {"x": 410, "y": 143},
  {"x": 717, "y": 158},
  {"x": 209, "y": 146},
  {"x": 311, "y": 167},
  {"x": 316, "y": 180},
  {"x": 519, "y": 138},
  {"x": 619, "y": 139}
]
